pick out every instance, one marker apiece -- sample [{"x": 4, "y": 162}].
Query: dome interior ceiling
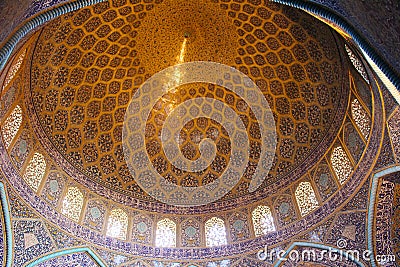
[{"x": 87, "y": 65}]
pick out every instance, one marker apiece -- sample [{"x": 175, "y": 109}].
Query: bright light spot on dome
[{"x": 183, "y": 50}]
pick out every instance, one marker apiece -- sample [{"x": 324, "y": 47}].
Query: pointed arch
[
  {"x": 11, "y": 126},
  {"x": 305, "y": 197},
  {"x": 166, "y": 233},
  {"x": 72, "y": 203},
  {"x": 35, "y": 171},
  {"x": 117, "y": 225},
  {"x": 341, "y": 164},
  {"x": 215, "y": 232},
  {"x": 263, "y": 221}
]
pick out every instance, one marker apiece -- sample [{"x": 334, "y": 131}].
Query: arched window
[
  {"x": 215, "y": 232},
  {"x": 262, "y": 220},
  {"x": 11, "y": 125},
  {"x": 72, "y": 203},
  {"x": 356, "y": 63},
  {"x": 166, "y": 233},
  {"x": 305, "y": 197},
  {"x": 361, "y": 118},
  {"x": 14, "y": 69},
  {"x": 117, "y": 224},
  {"x": 341, "y": 164},
  {"x": 35, "y": 171}
]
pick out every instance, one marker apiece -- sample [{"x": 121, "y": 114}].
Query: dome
[
  {"x": 162, "y": 132},
  {"x": 82, "y": 83}
]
